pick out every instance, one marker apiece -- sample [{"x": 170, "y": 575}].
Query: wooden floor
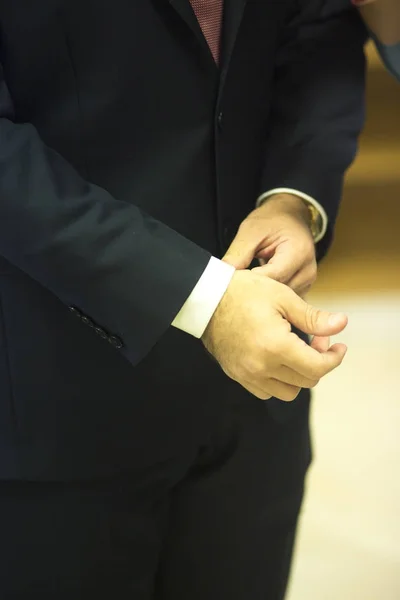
[{"x": 349, "y": 540}]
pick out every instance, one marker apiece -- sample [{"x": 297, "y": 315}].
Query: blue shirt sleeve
[{"x": 391, "y": 57}]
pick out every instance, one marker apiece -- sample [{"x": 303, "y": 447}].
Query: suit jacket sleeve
[
  {"x": 128, "y": 272},
  {"x": 318, "y": 105}
]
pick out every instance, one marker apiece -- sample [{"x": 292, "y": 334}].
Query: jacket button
[
  {"x": 115, "y": 341},
  {"x": 220, "y": 119},
  {"x": 74, "y": 311}
]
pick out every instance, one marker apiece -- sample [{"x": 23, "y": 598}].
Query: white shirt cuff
[
  {"x": 198, "y": 309},
  {"x": 324, "y": 218}
]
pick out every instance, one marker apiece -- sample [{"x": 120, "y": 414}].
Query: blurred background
[{"x": 348, "y": 546}]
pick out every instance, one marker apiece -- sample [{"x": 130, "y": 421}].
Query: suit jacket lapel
[
  {"x": 185, "y": 11},
  {"x": 233, "y": 13}
]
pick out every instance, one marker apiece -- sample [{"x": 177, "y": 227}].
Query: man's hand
[
  {"x": 250, "y": 336},
  {"x": 278, "y": 233}
]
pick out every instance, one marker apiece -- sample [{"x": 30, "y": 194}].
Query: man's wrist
[
  {"x": 196, "y": 313},
  {"x": 290, "y": 203},
  {"x": 316, "y": 215}
]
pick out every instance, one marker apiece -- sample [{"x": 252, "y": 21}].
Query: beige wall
[{"x": 349, "y": 540}]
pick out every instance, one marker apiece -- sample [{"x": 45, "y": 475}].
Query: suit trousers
[{"x": 215, "y": 522}]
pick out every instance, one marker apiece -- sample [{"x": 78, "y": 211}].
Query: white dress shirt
[{"x": 198, "y": 309}]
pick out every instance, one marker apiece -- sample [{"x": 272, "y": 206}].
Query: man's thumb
[
  {"x": 312, "y": 320},
  {"x": 241, "y": 252}
]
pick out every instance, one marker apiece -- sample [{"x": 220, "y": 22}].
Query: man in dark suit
[{"x": 136, "y": 136}]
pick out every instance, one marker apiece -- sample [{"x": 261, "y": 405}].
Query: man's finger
[
  {"x": 320, "y": 343},
  {"x": 282, "y": 267},
  {"x": 289, "y": 376},
  {"x": 241, "y": 251},
  {"x": 303, "y": 280},
  {"x": 256, "y": 390},
  {"x": 309, "y": 319},
  {"x": 275, "y": 271},
  {"x": 310, "y": 363},
  {"x": 273, "y": 388},
  {"x": 282, "y": 391}
]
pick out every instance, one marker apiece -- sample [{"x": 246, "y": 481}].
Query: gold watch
[{"x": 315, "y": 220}]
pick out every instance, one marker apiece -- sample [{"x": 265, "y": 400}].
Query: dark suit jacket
[{"x": 126, "y": 158}]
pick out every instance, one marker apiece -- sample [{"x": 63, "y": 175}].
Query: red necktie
[{"x": 209, "y": 16}]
